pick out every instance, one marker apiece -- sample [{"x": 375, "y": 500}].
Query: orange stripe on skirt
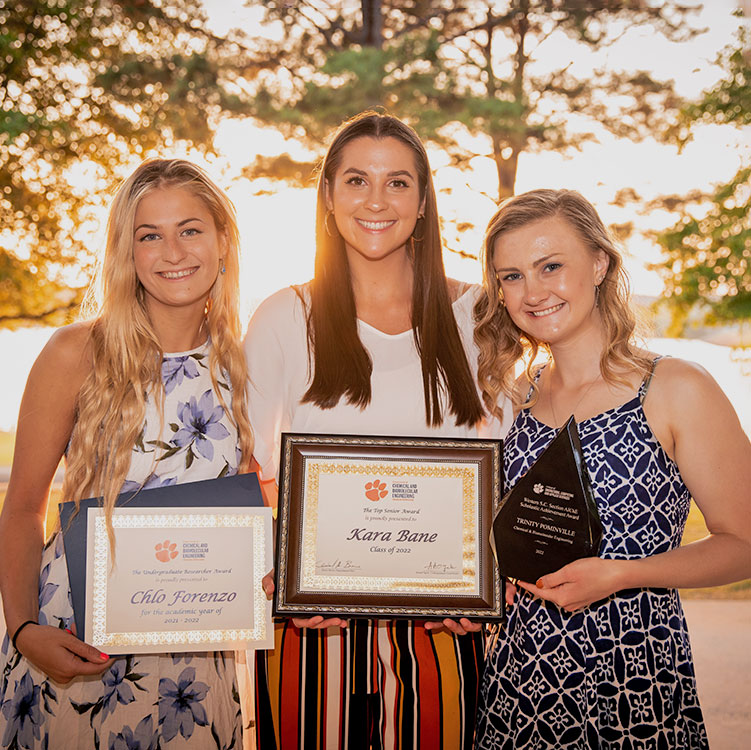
[
  {"x": 430, "y": 690},
  {"x": 451, "y": 690}
]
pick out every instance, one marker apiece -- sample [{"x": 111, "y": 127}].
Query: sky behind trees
[{"x": 510, "y": 95}]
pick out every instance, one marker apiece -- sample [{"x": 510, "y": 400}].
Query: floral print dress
[{"x": 144, "y": 701}]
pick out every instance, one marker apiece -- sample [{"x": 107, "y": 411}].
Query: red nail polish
[
  {"x": 539, "y": 583},
  {"x": 103, "y": 657}
]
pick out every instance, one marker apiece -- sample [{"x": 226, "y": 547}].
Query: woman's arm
[
  {"x": 714, "y": 457},
  {"x": 698, "y": 427},
  {"x": 45, "y": 423},
  {"x": 276, "y": 351}
]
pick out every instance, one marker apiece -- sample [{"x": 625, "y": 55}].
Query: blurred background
[{"x": 644, "y": 107}]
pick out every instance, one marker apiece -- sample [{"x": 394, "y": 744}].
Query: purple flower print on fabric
[
  {"x": 143, "y": 738},
  {"x": 176, "y": 369},
  {"x": 23, "y": 714},
  {"x": 116, "y": 689},
  {"x": 46, "y": 592},
  {"x": 180, "y": 704},
  {"x": 153, "y": 481},
  {"x": 201, "y": 420}
]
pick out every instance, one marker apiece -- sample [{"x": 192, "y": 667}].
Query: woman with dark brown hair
[{"x": 376, "y": 343}]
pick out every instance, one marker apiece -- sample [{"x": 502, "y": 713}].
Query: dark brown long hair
[{"x": 341, "y": 366}]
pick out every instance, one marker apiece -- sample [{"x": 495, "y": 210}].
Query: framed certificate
[
  {"x": 185, "y": 572},
  {"x": 387, "y": 527}
]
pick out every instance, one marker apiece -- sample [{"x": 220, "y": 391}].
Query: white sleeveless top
[{"x": 276, "y": 347}]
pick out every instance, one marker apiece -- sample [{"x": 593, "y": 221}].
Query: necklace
[{"x": 581, "y": 398}]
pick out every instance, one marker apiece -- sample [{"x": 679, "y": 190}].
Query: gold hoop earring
[{"x": 326, "y": 222}]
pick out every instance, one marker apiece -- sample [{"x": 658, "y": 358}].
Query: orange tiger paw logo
[
  {"x": 166, "y": 551},
  {"x": 376, "y": 490}
]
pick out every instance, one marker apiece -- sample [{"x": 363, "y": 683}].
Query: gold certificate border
[
  {"x": 468, "y": 473},
  {"x": 288, "y": 600},
  {"x": 102, "y": 638}
]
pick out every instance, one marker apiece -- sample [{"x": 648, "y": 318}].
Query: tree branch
[{"x": 37, "y": 317}]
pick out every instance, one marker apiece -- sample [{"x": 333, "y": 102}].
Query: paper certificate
[
  {"x": 183, "y": 579},
  {"x": 379, "y": 522},
  {"x": 396, "y": 527}
]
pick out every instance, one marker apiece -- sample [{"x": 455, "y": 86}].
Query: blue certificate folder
[{"x": 237, "y": 490}]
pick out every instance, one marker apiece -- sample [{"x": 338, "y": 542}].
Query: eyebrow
[
  {"x": 396, "y": 173},
  {"x": 154, "y": 226},
  {"x": 538, "y": 262}
]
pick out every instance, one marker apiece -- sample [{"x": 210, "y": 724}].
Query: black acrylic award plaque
[{"x": 549, "y": 518}]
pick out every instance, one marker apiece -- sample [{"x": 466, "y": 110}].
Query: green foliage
[
  {"x": 84, "y": 86},
  {"x": 30, "y": 295},
  {"x": 730, "y": 100},
  {"x": 439, "y": 65},
  {"x": 707, "y": 267},
  {"x": 405, "y": 76},
  {"x": 708, "y": 259}
]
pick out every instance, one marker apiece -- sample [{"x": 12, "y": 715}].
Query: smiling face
[
  {"x": 177, "y": 250},
  {"x": 375, "y": 197},
  {"x": 548, "y": 276}
]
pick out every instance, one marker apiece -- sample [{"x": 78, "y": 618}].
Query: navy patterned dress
[{"x": 617, "y": 674}]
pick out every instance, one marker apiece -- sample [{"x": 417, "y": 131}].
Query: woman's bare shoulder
[
  {"x": 68, "y": 351},
  {"x": 681, "y": 376},
  {"x": 684, "y": 393},
  {"x": 457, "y": 289},
  {"x": 521, "y": 388}
]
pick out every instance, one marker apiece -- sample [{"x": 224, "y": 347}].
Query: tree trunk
[
  {"x": 506, "y": 168},
  {"x": 513, "y": 145},
  {"x": 372, "y": 23}
]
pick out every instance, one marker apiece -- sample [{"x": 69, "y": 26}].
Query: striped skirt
[{"x": 385, "y": 685}]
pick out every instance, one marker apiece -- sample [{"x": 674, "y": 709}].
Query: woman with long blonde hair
[
  {"x": 148, "y": 391},
  {"x": 597, "y": 654}
]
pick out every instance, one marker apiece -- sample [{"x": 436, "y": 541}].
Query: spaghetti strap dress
[
  {"x": 617, "y": 674},
  {"x": 143, "y": 701}
]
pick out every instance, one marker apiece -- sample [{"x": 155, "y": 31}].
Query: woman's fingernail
[
  {"x": 103, "y": 656},
  {"x": 68, "y": 630},
  {"x": 539, "y": 583}
]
